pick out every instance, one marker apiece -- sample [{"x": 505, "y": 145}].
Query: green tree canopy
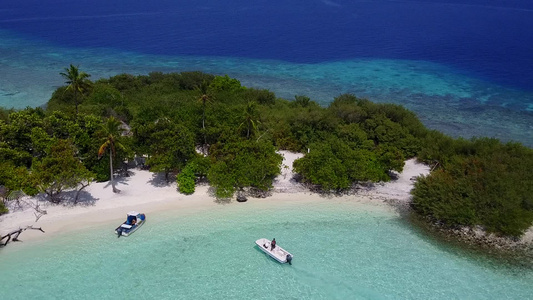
[
  {"x": 170, "y": 146},
  {"x": 243, "y": 163},
  {"x": 486, "y": 183},
  {"x": 60, "y": 170}
]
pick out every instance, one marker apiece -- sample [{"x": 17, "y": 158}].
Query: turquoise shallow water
[
  {"x": 446, "y": 99},
  {"x": 342, "y": 251}
]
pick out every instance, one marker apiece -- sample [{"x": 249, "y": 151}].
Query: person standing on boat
[{"x": 273, "y": 244}]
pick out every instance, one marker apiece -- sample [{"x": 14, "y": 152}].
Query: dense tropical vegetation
[
  {"x": 478, "y": 182},
  {"x": 199, "y": 126}
]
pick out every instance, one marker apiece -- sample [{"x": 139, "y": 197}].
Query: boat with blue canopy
[{"x": 134, "y": 221}]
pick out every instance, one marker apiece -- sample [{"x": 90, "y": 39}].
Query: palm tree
[
  {"x": 205, "y": 97},
  {"x": 76, "y": 80},
  {"x": 112, "y": 132},
  {"x": 250, "y": 121}
]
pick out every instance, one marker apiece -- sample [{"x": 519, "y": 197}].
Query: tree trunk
[
  {"x": 79, "y": 190},
  {"x": 203, "y": 114},
  {"x": 16, "y": 233},
  {"x": 203, "y": 124},
  {"x": 76, "y": 100},
  {"x": 52, "y": 194},
  {"x": 111, "y": 171}
]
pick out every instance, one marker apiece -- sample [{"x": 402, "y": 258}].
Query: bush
[
  {"x": 243, "y": 163},
  {"x": 185, "y": 180},
  {"x": 486, "y": 183},
  {"x": 191, "y": 80},
  {"x": 322, "y": 167},
  {"x": 200, "y": 166},
  {"x": 263, "y": 97}
]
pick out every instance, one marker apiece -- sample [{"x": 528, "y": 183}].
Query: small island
[{"x": 196, "y": 128}]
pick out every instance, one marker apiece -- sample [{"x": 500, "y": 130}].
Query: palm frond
[{"x": 103, "y": 148}]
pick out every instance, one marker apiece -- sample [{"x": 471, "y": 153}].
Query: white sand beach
[{"x": 147, "y": 192}]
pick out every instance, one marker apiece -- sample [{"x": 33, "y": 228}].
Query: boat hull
[
  {"x": 278, "y": 253},
  {"x": 126, "y": 229}
]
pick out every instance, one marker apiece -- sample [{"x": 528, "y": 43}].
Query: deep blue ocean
[{"x": 465, "y": 67}]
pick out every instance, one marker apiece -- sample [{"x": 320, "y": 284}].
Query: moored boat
[
  {"x": 278, "y": 253},
  {"x": 133, "y": 222}
]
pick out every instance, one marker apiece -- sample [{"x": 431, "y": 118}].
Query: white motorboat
[
  {"x": 133, "y": 222},
  {"x": 278, "y": 253}
]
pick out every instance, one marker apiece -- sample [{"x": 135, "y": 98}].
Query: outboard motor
[
  {"x": 289, "y": 259},
  {"x": 119, "y": 232}
]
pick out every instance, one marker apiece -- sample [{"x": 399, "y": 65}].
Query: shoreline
[
  {"x": 148, "y": 193},
  {"x": 61, "y": 220}
]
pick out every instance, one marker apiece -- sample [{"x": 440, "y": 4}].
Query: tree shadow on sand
[
  {"x": 119, "y": 180},
  {"x": 68, "y": 199},
  {"x": 159, "y": 180},
  {"x": 27, "y": 202}
]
